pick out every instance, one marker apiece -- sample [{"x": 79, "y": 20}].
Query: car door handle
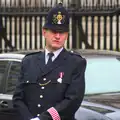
[{"x": 3, "y": 104}]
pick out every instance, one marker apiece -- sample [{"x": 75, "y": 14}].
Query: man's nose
[{"x": 57, "y": 35}]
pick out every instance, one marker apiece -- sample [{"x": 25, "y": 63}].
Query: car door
[
  {"x": 4, "y": 66},
  {"x": 12, "y": 77}
]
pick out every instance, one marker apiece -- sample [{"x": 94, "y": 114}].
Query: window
[
  {"x": 102, "y": 75},
  {"x": 13, "y": 77},
  {"x": 3, "y": 66}
]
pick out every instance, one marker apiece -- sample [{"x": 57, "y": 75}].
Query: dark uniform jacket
[{"x": 39, "y": 89}]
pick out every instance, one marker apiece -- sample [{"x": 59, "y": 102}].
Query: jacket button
[
  {"x": 42, "y": 87},
  {"x": 41, "y": 96},
  {"x": 44, "y": 79},
  {"x": 27, "y": 81},
  {"x": 39, "y": 105},
  {"x": 38, "y": 115}
]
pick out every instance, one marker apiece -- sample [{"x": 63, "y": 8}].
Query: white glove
[{"x": 35, "y": 118}]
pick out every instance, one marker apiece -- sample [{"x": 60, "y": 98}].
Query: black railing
[
  {"x": 101, "y": 30},
  {"x": 92, "y": 25},
  {"x": 76, "y": 4}
]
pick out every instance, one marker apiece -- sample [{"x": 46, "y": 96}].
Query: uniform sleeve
[
  {"x": 73, "y": 96},
  {"x": 18, "y": 97}
]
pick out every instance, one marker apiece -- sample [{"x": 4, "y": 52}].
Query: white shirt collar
[{"x": 56, "y": 53}]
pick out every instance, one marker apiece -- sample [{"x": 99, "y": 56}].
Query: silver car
[{"x": 101, "y": 101}]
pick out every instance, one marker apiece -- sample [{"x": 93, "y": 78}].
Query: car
[{"x": 101, "y": 101}]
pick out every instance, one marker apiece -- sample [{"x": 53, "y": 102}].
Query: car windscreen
[{"x": 102, "y": 75}]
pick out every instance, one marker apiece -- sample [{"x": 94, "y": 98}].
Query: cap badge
[{"x": 58, "y": 18}]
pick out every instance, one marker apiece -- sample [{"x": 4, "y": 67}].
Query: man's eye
[{"x": 54, "y": 32}]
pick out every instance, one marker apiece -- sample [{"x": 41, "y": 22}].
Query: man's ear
[
  {"x": 43, "y": 32},
  {"x": 67, "y": 35}
]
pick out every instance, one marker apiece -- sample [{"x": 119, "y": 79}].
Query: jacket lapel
[
  {"x": 57, "y": 62},
  {"x": 41, "y": 61}
]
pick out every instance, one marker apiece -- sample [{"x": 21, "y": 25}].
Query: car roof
[
  {"x": 81, "y": 51},
  {"x": 86, "y": 52},
  {"x": 98, "y": 52},
  {"x": 19, "y": 55},
  {"x": 11, "y": 56}
]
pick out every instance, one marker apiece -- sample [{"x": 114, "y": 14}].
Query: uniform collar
[{"x": 56, "y": 53}]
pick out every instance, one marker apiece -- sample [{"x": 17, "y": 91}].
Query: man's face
[{"x": 54, "y": 40}]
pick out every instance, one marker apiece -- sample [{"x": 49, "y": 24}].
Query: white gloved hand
[{"x": 35, "y": 118}]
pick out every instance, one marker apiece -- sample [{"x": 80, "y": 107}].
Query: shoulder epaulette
[
  {"x": 75, "y": 53},
  {"x": 33, "y": 53}
]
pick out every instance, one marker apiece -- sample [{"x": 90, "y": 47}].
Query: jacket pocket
[{"x": 60, "y": 81}]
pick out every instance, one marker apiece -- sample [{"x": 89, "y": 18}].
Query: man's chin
[{"x": 56, "y": 47}]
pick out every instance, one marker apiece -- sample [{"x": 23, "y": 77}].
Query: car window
[
  {"x": 13, "y": 77},
  {"x": 102, "y": 75},
  {"x": 3, "y": 67}
]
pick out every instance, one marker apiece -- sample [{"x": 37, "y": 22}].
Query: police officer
[{"x": 51, "y": 85}]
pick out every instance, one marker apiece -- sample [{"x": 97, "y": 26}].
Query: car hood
[
  {"x": 109, "y": 99},
  {"x": 114, "y": 115}
]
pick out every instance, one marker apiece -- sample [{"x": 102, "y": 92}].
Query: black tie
[{"x": 50, "y": 58}]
